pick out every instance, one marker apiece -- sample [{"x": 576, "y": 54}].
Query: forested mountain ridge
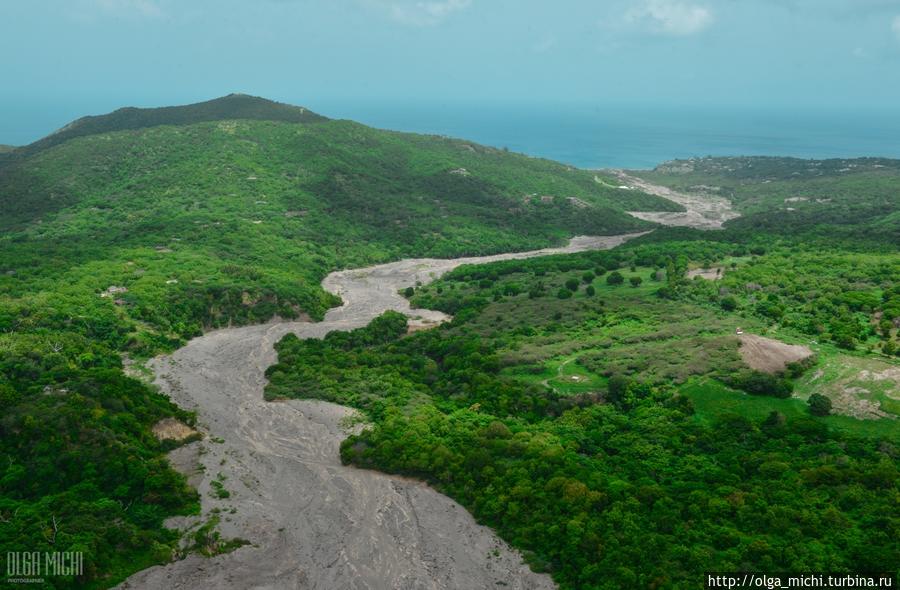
[{"x": 233, "y": 106}]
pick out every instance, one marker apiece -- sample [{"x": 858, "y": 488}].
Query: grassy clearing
[
  {"x": 713, "y": 400},
  {"x": 855, "y": 383},
  {"x": 563, "y": 375},
  {"x": 630, "y": 331}
]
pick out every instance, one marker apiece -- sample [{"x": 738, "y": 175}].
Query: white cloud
[
  {"x": 423, "y": 13},
  {"x": 671, "y": 17},
  {"x": 895, "y": 26}
]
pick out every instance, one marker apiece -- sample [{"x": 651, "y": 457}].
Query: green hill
[
  {"x": 130, "y": 232},
  {"x": 267, "y": 208},
  {"x": 233, "y": 106}
]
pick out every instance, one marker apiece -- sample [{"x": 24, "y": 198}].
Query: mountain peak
[{"x": 231, "y": 106}]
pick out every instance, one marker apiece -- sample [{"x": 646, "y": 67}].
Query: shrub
[
  {"x": 819, "y": 405},
  {"x": 758, "y": 383}
]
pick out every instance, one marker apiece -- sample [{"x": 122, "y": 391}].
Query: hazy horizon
[
  {"x": 373, "y": 60},
  {"x": 590, "y": 135}
]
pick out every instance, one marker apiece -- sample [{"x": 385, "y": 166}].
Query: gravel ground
[
  {"x": 703, "y": 211},
  {"x": 312, "y": 522}
]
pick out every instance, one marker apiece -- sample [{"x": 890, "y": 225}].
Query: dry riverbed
[
  {"x": 310, "y": 521},
  {"x": 702, "y": 211}
]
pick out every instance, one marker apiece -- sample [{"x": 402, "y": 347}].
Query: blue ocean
[
  {"x": 642, "y": 137},
  {"x": 587, "y": 136}
]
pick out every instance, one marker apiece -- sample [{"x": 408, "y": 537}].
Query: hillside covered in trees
[{"x": 124, "y": 235}]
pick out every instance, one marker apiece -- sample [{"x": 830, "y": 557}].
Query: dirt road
[{"x": 312, "y": 522}]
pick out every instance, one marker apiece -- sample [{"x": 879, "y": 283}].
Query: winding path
[{"x": 312, "y": 522}]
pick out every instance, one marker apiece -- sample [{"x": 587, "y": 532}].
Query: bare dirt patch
[
  {"x": 850, "y": 401},
  {"x": 172, "y": 429},
  {"x": 710, "y": 274},
  {"x": 768, "y": 355},
  {"x": 418, "y": 324},
  {"x": 890, "y": 376}
]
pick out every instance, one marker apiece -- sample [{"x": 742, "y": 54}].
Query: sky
[{"x": 67, "y": 58}]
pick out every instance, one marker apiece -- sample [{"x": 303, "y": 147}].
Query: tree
[
  {"x": 8, "y": 395},
  {"x": 588, "y": 277},
  {"x": 758, "y": 383},
  {"x": 536, "y": 290},
  {"x": 844, "y": 339},
  {"x": 819, "y": 405},
  {"x": 572, "y": 285},
  {"x": 563, "y": 293},
  {"x": 728, "y": 303},
  {"x": 511, "y": 289},
  {"x": 409, "y": 291},
  {"x": 590, "y": 291},
  {"x": 615, "y": 278},
  {"x": 617, "y": 387},
  {"x": 635, "y": 281}
]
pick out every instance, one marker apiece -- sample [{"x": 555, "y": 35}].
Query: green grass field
[{"x": 713, "y": 400}]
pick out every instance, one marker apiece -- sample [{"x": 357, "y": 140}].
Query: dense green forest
[
  {"x": 129, "y": 233},
  {"x": 609, "y": 427}
]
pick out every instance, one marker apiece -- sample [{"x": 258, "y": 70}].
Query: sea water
[
  {"x": 587, "y": 135},
  {"x": 624, "y": 136}
]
